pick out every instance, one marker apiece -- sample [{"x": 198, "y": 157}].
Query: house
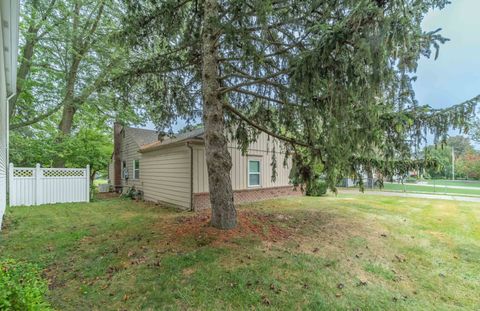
[
  {"x": 9, "y": 14},
  {"x": 173, "y": 170}
]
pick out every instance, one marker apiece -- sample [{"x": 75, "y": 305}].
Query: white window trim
[
  {"x": 259, "y": 173},
  {"x": 134, "y": 170}
]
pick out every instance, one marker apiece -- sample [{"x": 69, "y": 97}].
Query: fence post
[
  {"x": 11, "y": 193},
  {"x": 38, "y": 191},
  {"x": 88, "y": 183}
]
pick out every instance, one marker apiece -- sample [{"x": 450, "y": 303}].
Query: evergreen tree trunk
[{"x": 219, "y": 161}]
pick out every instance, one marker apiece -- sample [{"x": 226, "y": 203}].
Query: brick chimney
[{"x": 117, "y": 157}]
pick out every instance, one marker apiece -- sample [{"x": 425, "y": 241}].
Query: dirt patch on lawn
[
  {"x": 249, "y": 224},
  {"x": 107, "y": 195}
]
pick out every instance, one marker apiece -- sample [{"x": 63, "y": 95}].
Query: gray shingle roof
[
  {"x": 142, "y": 136},
  {"x": 195, "y": 134}
]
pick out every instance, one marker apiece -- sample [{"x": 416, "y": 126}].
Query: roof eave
[
  {"x": 10, "y": 20},
  {"x": 173, "y": 144}
]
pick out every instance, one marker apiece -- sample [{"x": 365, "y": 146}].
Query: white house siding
[
  {"x": 262, "y": 149},
  {"x": 165, "y": 176},
  {"x": 9, "y": 13},
  {"x": 3, "y": 130}
]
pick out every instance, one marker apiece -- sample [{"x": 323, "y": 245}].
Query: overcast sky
[{"x": 455, "y": 76}]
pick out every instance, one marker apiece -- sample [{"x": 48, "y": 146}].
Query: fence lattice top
[
  {"x": 63, "y": 173},
  {"x": 23, "y": 172},
  {"x": 26, "y": 172}
]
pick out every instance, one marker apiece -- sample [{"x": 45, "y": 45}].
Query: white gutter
[
  {"x": 10, "y": 97},
  {"x": 7, "y": 145}
]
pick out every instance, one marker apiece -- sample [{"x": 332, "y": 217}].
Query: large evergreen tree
[{"x": 330, "y": 78}]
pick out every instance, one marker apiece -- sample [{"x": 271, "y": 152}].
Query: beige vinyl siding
[
  {"x": 129, "y": 153},
  {"x": 165, "y": 176},
  {"x": 261, "y": 150}
]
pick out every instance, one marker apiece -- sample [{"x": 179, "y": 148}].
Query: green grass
[
  {"x": 461, "y": 183},
  {"x": 330, "y": 253},
  {"x": 425, "y": 189},
  {"x": 97, "y": 182}
]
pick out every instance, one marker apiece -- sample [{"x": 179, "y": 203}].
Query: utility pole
[{"x": 453, "y": 163}]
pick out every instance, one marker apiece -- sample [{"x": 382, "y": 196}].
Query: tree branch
[
  {"x": 256, "y": 80},
  {"x": 36, "y": 119},
  {"x": 264, "y": 97},
  {"x": 264, "y": 129}
]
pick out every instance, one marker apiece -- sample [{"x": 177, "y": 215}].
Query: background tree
[
  {"x": 475, "y": 132},
  {"x": 67, "y": 59},
  {"x": 89, "y": 145},
  {"x": 442, "y": 154},
  {"x": 468, "y": 166},
  {"x": 332, "y": 78},
  {"x": 461, "y": 145}
]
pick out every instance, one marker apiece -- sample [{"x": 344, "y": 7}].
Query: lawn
[
  {"x": 345, "y": 253},
  {"x": 440, "y": 189},
  {"x": 461, "y": 183}
]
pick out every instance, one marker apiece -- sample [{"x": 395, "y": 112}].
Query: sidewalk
[{"x": 410, "y": 195}]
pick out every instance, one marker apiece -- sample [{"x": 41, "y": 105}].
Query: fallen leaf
[
  {"x": 266, "y": 301},
  {"x": 362, "y": 283},
  {"x": 400, "y": 258}
]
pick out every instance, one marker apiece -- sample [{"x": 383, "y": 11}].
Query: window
[
  {"x": 253, "y": 173},
  {"x": 124, "y": 170},
  {"x": 136, "y": 169}
]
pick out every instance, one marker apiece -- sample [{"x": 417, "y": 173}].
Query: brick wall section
[{"x": 202, "y": 200}]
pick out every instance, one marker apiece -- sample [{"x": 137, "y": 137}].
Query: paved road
[{"x": 411, "y": 195}]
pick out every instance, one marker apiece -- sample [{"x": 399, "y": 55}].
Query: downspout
[
  {"x": 192, "y": 208},
  {"x": 7, "y": 143}
]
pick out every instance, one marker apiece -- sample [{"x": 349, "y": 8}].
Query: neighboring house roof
[
  {"x": 196, "y": 134},
  {"x": 142, "y": 136}
]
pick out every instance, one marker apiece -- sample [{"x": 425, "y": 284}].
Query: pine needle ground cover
[{"x": 344, "y": 253}]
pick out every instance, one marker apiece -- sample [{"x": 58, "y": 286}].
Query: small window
[
  {"x": 136, "y": 169},
  {"x": 124, "y": 170},
  {"x": 253, "y": 173}
]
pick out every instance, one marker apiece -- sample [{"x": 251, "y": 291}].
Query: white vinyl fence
[{"x": 36, "y": 186}]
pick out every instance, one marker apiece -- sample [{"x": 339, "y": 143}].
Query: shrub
[
  {"x": 316, "y": 188},
  {"x": 133, "y": 194},
  {"x": 21, "y": 287}
]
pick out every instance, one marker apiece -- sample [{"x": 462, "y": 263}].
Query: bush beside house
[{"x": 21, "y": 287}]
